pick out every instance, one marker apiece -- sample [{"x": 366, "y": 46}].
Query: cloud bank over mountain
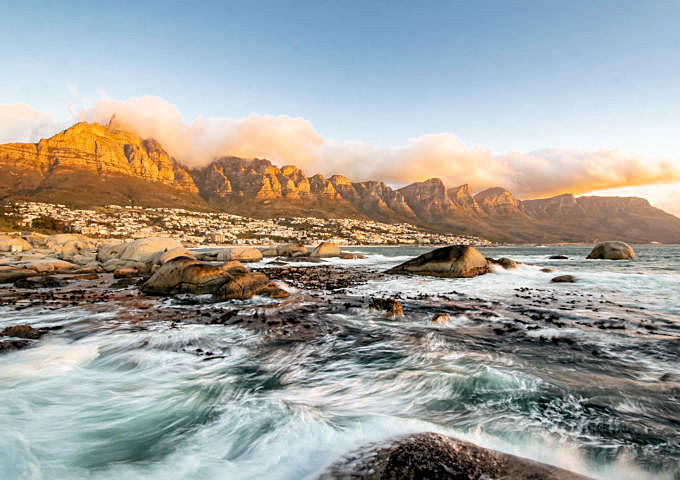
[{"x": 293, "y": 140}]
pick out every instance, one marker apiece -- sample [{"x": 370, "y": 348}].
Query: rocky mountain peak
[{"x": 91, "y": 164}]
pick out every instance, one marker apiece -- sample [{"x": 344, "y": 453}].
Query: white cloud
[{"x": 20, "y": 123}]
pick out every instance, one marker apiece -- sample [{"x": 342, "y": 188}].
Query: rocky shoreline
[{"x": 158, "y": 280}]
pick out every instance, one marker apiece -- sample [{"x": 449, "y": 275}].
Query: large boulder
[
  {"x": 143, "y": 250},
  {"x": 68, "y": 246},
  {"x": 13, "y": 243},
  {"x": 109, "y": 250},
  {"x": 50, "y": 265},
  {"x": 162, "y": 257},
  {"x": 612, "y": 251},
  {"x": 226, "y": 281},
  {"x": 36, "y": 239},
  {"x": 291, "y": 250},
  {"x": 438, "y": 457},
  {"x": 452, "y": 261},
  {"x": 326, "y": 249},
  {"x": 22, "y": 331},
  {"x": 242, "y": 254}
]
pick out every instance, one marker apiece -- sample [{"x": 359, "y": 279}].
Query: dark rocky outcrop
[
  {"x": 505, "y": 262},
  {"x": 46, "y": 281},
  {"x": 434, "y": 456},
  {"x": 612, "y": 251},
  {"x": 452, "y": 261},
  {"x": 563, "y": 279},
  {"x": 226, "y": 281},
  {"x": 22, "y": 331},
  {"x": 558, "y": 257}
]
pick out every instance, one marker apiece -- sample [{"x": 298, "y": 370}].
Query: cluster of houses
[{"x": 216, "y": 228}]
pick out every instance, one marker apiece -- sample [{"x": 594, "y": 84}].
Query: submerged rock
[
  {"x": 13, "y": 344},
  {"x": 612, "y": 251},
  {"x": 437, "y": 457},
  {"x": 350, "y": 256},
  {"x": 442, "y": 318},
  {"x": 547, "y": 270},
  {"x": 558, "y": 257},
  {"x": 389, "y": 305},
  {"x": 506, "y": 263},
  {"x": 564, "y": 279},
  {"x": 452, "y": 261}
]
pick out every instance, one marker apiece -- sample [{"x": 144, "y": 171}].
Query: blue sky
[
  {"x": 542, "y": 97},
  {"x": 507, "y": 75}
]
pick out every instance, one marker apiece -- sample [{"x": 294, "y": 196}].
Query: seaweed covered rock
[
  {"x": 438, "y": 457},
  {"x": 452, "y": 261},
  {"x": 389, "y": 305},
  {"x": 21, "y": 331}
]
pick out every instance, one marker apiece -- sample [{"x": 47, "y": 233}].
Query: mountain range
[{"x": 90, "y": 164}]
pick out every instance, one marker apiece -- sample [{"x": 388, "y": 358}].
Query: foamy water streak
[{"x": 140, "y": 403}]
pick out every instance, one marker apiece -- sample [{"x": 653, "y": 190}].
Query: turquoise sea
[{"x": 585, "y": 376}]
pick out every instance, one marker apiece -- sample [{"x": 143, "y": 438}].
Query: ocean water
[{"x": 585, "y": 376}]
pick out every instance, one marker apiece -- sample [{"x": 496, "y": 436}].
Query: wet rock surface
[
  {"x": 388, "y": 305},
  {"x": 47, "y": 281},
  {"x": 612, "y": 251},
  {"x": 452, "y": 261},
  {"x": 327, "y": 278},
  {"x": 438, "y": 457},
  {"x": 22, "y": 331},
  {"x": 506, "y": 263},
  {"x": 225, "y": 281},
  {"x": 563, "y": 279}
]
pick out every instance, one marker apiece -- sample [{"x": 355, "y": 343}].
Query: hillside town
[{"x": 217, "y": 228}]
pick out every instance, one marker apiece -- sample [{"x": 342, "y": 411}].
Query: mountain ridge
[{"x": 91, "y": 164}]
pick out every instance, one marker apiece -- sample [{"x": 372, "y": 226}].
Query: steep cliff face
[
  {"x": 91, "y": 164},
  {"x": 90, "y": 160},
  {"x": 498, "y": 201}
]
